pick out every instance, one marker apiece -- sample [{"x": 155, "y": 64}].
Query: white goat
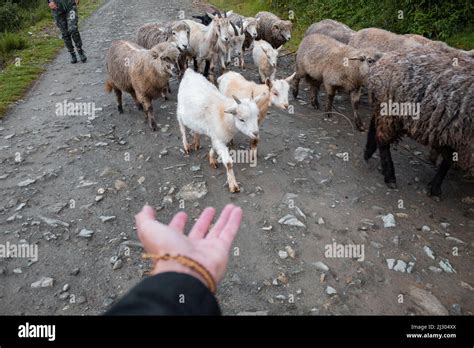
[
  {"x": 271, "y": 93},
  {"x": 203, "y": 39},
  {"x": 265, "y": 58},
  {"x": 203, "y": 109}
]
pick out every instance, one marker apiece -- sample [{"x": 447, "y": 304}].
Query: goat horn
[{"x": 236, "y": 32}]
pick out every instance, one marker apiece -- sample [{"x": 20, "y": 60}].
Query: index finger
[{"x": 232, "y": 226}]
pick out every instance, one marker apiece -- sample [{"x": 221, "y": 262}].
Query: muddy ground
[{"x": 53, "y": 167}]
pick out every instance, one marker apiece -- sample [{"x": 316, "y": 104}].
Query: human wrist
[{"x": 164, "y": 266}]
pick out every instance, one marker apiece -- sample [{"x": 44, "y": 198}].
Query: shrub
[
  {"x": 10, "y": 42},
  {"x": 10, "y": 17}
]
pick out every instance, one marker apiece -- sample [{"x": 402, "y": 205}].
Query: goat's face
[
  {"x": 245, "y": 114},
  {"x": 279, "y": 92},
  {"x": 180, "y": 35},
  {"x": 272, "y": 55},
  {"x": 235, "y": 47},
  {"x": 250, "y": 26},
  {"x": 223, "y": 29},
  {"x": 282, "y": 29}
]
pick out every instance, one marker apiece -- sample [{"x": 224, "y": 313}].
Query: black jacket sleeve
[{"x": 168, "y": 293}]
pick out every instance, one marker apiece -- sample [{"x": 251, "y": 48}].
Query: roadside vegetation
[{"x": 29, "y": 40}]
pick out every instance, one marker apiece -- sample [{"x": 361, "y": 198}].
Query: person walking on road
[{"x": 66, "y": 17}]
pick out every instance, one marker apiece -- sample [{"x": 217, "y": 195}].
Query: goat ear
[
  {"x": 232, "y": 110},
  {"x": 275, "y": 26},
  {"x": 269, "y": 83},
  {"x": 237, "y": 100},
  {"x": 154, "y": 54},
  {"x": 289, "y": 78},
  {"x": 228, "y": 13},
  {"x": 279, "y": 48},
  {"x": 210, "y": 15}
]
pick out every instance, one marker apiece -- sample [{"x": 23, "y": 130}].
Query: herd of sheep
[{"x": 395, "y": 70}]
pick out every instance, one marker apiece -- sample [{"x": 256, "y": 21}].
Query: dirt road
[{"x": 72, "y": 184}]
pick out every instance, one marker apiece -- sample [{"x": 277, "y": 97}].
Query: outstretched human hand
[{"x": 210, "y": 249}]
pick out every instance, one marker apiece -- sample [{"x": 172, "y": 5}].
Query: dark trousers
[{"x": 67, "y": 18}]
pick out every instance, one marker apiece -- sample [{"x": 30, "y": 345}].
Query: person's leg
[
  {"x": 73, "y": 26},
  {"x": 60, "y": 16}
]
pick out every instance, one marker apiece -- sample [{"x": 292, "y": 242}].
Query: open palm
[{"x": 209, "y": 247}]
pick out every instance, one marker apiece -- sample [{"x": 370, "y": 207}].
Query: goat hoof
[
  {"x": 234, "y": 188},
  {"x": 188, "y": 148},
  {"x": 120, "y": 109},
  {"x": 391, "y": 185},
  {"x": 213, "y": 164},
  {"x": 140, "y": 107},
  {"x": 196, "y": 147},
  {"x": 153, "y": 126}
]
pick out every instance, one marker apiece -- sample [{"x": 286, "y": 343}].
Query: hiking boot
[
  {"x": 82, "y": 55},
  {"x": 73, "y": 58}
]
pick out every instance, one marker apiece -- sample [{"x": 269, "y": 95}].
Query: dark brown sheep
[
  {"x": 273, "y": 29},
  {"x": 441, "y": 92}
]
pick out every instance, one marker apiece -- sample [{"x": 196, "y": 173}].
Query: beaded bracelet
[{"x": 188, "y": 262}]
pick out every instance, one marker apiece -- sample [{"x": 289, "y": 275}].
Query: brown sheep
[
  {"x": 273, "y": 29},
  {"x": 323, "y": 60},
  {"x": 442, "y": 95},
  {"x": 336, "y": 30},
  {"x": 142, "y": 73}
]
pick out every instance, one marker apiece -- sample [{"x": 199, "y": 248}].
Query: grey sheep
[
  {"x": 323, "y": 60},
  {"x": 382, "y": 40},
  {"x": 440, "y": 96},
  {"x": 142, "y": 73},
  {"x": 439, "y": 45},
  {"x": 334, "y": 29},
  {"x": 151, "y": 34},
  {"x": 273, "y": 29}
]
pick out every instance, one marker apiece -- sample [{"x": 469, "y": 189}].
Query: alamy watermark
[
  {"x": 242, "y": 156},
  {"x": 400, "y": 109},
  {"x": 66, "y": 108},
  {"x": 351, "y": 251},
  {"x": 27, "y": 251}
]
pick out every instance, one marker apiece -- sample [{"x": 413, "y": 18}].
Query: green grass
[
  {"x": 28, "y": 52},
  {"x": 10, "y": 42},
  {"x": 464, "y": 39}
]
